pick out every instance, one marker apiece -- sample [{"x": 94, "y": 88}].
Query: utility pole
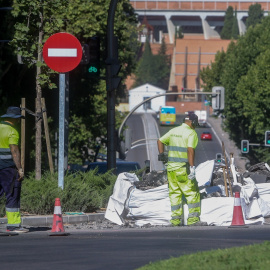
[{"x": 112, "y": 82}]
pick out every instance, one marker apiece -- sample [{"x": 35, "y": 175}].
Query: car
[
  {"x": 121, "y": 166},
  {"x": 206, "y": 136}
]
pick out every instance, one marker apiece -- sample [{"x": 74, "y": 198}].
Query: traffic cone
[
  {"x": 238, "y": 219},
  {"x": 58, "y": 227}
]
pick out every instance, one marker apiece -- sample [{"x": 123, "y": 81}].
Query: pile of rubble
[{"x": 146, "y": 201}]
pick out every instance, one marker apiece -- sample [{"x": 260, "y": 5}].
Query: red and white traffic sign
[{"x": 62, "y": 52}]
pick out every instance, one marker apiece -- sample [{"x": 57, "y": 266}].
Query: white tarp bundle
[
  {"x": 150, "y": 206},
  {"x": 153, "y": 207},
  {"x": 115, "y": 211}
]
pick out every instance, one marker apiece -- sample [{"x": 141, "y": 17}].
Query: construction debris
[{"x": 147, "y": 201}]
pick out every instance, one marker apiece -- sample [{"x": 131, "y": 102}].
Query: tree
[
  {"x": 153, "y": 69},
  {"x": 144, "y": 72},
  {"x": 226, "y": 32},
  {"x": 211, "y": 75},
  {"x": 255, "y": 15},
  {"x": 235, "y": 28},
  {"x": 37, "y": 20},
  {"x": 34, "y": 19},
  {"x": 245, "y": 77}
]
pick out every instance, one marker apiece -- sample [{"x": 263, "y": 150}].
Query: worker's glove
[
  {"x": 191, "y": 175},
  {"x": 163, "y": 157},
  {"x": 21, "y": 173}
]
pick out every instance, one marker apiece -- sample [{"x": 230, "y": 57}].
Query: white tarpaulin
[
  {"x": 150, "y": 206},
  {"x": 204, "y": 173},
  {"x": 116, "y": 206},
  {"x": 153, "y": 207}
]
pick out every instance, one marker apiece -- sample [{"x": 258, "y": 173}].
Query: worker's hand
[
  {"x": 21, "y": 174},
  {"x": 191, "y": 175},
  {"x": 163, "y": 157}
]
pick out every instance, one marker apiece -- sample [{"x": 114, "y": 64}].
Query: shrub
[{"x": 83, "y": 192}]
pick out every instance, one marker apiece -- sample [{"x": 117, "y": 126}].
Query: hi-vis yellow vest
[
  {"x": 8, "y": 135},
  {"x": 178, "y": 140}
]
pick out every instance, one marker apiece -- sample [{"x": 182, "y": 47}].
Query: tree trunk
[{"x": 38, "y": 105}]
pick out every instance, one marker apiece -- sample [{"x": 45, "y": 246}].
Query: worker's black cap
[{"x": 191, "y": 116}]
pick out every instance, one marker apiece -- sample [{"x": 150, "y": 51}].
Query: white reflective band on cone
[
  {"x": 57, "y": 210},
  {"x": 237, "y": 202}
]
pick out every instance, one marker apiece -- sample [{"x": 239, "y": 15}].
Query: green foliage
[
  {"x": 84, "y": 192},
  {"x": 153, "y": 69},
  {"x": 226, "y": 32},
  {"x": 244, "y": 72},
  {"x": 255, "y": 15},
  {"x": 33, "y": 22},
  {"x": 235, "y": 29},
  {"x": 246, "y": 257}
]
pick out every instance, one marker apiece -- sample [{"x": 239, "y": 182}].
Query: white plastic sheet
[
  {"x": 150, "y": 206},
  {"x": 153, "y": 206},
  {"x": 218, "y": 211},
  {"x": 116, "y": 206},
  {"x": 204, "y": 173}
]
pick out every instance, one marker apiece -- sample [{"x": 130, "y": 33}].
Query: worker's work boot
[
  {"x": 17, "y": 229},
  {"x": 199, "y": 223}
]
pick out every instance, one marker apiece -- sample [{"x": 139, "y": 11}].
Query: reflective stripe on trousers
[
  {"x": 13, "y": 217},
  {"x": 180, "y": 185}
]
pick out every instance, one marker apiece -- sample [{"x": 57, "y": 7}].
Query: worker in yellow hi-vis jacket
[
  {"x": 11, "y": 172},
  {"x": 181, "y": 142}
]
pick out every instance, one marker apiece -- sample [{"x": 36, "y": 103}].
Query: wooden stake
[
  {"x": 227, "y": 170},
  {"x": 23, "y": 134},
  {"x": 47, "y": 136},
  {"x": 225, "y": 182}
]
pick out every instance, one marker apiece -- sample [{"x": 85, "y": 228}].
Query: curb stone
[{"x": 47, "y": 221}]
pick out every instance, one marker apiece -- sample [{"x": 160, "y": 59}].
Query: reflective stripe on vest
[
  {"x": 5, "y": 153},
  {"x": 175, "y": 159},
  {"x": 177, "y": 148}
]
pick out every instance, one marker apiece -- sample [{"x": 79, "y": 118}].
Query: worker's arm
[
  {"x": 160, "y": 146},
  {"x": 15, "y": 152},
  {"x": 191, "y": 156}
]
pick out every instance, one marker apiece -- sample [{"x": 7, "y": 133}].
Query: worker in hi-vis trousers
[
  {"x": 181, "y": 142},
  {"x": 11, "y": 172}
]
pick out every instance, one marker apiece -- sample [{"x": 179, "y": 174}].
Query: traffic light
[
  {"x": 218, "y": 157},
  {"x": 115, "y": 68},
  {"x": 218, "y": 100},
  {"x": 93, "y": 67},
  {"x": 244, "y": 146},
  {"x": 267, "y": 138}
]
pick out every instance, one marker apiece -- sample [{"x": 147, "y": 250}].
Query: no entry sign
[{"x": 62, "y": 52}]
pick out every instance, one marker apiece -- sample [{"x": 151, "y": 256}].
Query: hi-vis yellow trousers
[{"x": 180, "y": 185}]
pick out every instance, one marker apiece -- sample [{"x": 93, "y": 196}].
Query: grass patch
[{"x": 239, "y": 258}]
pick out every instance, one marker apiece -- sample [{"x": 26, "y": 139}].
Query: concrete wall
[{"x": 241, "y": 5}]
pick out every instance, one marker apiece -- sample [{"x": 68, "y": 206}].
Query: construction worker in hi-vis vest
[
  {"x": 181, "y": 142},
  {"x": 11, "y": 172}
]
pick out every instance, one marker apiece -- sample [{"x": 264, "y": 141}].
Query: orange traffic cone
[
  {"x": 238, "y": 219},
  {"x": 58, "y": 227}
]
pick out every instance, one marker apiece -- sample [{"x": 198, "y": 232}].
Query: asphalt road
[
  {"x": 206, "y": 150},
  {"x": 118, "y": 249},
  {"x": 138, "y": 149}
]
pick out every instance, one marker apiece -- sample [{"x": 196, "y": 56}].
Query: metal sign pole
[{"x": 61, "y": 141}]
